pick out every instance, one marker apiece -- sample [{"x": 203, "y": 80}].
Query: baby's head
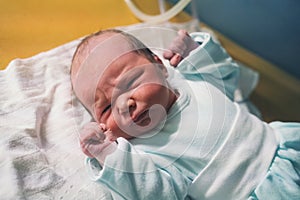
[{"x": 121, "y": 83}]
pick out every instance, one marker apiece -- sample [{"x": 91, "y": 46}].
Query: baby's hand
[
  {"x": 180, "y": 48},
  {"x": 94, "y": 143}
]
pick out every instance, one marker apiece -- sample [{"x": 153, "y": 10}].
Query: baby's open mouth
[{"x": 143, "y": 119}]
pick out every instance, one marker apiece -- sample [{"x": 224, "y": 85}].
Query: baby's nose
[{"x": 125, "y": 105}]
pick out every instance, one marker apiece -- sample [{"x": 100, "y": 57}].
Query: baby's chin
[
  {"x": 146, "y": 127},
  {"x": 145, "y": 130}
]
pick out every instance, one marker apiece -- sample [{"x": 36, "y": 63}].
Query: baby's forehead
[
  {"x": 90, "y": 44},
  {"x": 95, "y": 40},
  {"x": 85, "y": 48},
  {"x": 106, "y": 41},
  {"x": 101, "y": 52}
]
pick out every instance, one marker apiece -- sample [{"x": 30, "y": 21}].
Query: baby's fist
[
  {"x": 180, "y": 48},
  {"x": 93, "y": 141}
]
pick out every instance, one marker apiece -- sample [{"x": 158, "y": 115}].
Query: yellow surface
[{"x": 28, "y": 27}]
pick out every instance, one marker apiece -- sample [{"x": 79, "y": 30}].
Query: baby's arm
[
  {"x": 211, "y": 63},
  {"x": 94, "y": 143},
  {"x": 134, "y": 174},
  {"x": 128, "y": 172},
  {"x": 180, "y": 48}
]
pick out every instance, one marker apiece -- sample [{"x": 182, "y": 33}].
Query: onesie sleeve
[
  {"x": 132, "y": 174},
  {"x": 210, "y": 62}
]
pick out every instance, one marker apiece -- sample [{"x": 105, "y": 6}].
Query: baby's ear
[{"x": 161, "y": 65}]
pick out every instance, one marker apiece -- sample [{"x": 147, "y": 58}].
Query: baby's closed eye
[
  {"x": 130, "y": 79},
  {"x": 107, "y": 108}
]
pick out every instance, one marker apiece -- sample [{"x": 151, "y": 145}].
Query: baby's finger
[
  {"x": 183, "y": 33},
  {"x": 91, "y": 134},
  {"x": 93, "y": 127},
  {"x": 175, "y": 60},
  {"x": 93, "y": 138},
  {"x": 87, "y": 134},
  {"x": 94, "y": 150},
  {"x": 168, "y": 54},
  {"x": 84, "y": 149},
  {"x": 176, "y": 46}
]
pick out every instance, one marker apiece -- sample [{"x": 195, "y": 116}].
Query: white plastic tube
[{"x": 155, "y": 19}]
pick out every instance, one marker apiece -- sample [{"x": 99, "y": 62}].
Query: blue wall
[{"x": 269, "y": 28}]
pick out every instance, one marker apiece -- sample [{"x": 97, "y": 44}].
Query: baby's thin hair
[{"x": 137, "y": 46}]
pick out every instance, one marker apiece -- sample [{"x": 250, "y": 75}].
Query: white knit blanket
[{"x": 39, "y": 121}]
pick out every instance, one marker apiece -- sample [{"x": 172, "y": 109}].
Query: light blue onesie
[{"x": 208, "y": 147}]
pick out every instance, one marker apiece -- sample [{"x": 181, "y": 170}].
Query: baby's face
[{"x": 131, "y": 96}]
